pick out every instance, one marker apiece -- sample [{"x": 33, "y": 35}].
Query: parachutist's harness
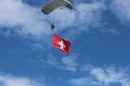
[{"x": 52, "y": 26}]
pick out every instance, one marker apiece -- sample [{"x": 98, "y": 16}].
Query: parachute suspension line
[{"x": 52, "y": 5}]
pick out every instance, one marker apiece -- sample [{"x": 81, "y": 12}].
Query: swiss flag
[{"x": 61, "y": 44}]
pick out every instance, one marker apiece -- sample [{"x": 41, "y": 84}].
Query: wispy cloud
[
  {"x": 121, "y": 9},
  {"x": 87, "y": 16},
  {"x": 103, "y": 76},
  {"x": 20, "y": 19},
  {"x": 67, "y": 63},
  {"x": 113, "y": 31},
  {"x": 70, "y": 62},
  {"x": 25, "y": 19},
  {"x": 10, "y": 80},
  {"x": 84, "y": 81}
]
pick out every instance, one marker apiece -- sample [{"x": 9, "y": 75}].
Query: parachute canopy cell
[{"x": 53, "y": 4}]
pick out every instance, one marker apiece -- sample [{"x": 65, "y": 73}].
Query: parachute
[{"x": 53, "y": 4}]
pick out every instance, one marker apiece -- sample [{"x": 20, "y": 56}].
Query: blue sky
[{"x": 99, "y": 31}]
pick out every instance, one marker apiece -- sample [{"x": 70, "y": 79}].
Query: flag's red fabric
[{"x": 61, "y": 44}]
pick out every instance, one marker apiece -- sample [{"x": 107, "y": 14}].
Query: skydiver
[{"x": 52, "y": 26}]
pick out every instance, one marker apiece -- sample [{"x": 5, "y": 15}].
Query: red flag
[{"x": 61, "y": 44}]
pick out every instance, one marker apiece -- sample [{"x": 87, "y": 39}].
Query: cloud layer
[
  {"x": 67, "y": 63},
  {"x": 10, "y": 80},
  {"x": 121, "y": 9},
  {"x": 22, "y": 18},
  {"x": 106, "y": 76}
]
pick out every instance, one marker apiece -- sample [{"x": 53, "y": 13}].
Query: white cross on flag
[{"x": 61, "y": 44}]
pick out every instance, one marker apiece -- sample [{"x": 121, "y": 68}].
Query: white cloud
[
  {"x": 121, "y": 9},
  {"x": 70, "y": 62},
  {"x": 87, "y": 67},
  {"x": 103, "y": 76},
  {"x": 10, "y": 80},
  {"x": 63, "y": 18},
  {"x": 23, "y": 18},
  {"x": 67, "y": 63},
  {"x": 84, "y": 82},
  {"x": 50, "y": 61},
  {"x": 113, "y": 31},
  {"x": 111, "y": 75},
  {"x": 87, "y": 15}
]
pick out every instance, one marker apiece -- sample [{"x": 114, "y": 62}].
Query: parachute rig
[{"x": 52, "y": 5}]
